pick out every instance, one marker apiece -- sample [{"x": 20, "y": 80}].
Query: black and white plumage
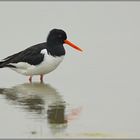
[{"x": 41, "y": 58}]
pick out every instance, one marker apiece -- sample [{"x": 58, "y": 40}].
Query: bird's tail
[
  {"x": 1, "y": 64},
  {"x": 4, "y": 64}
]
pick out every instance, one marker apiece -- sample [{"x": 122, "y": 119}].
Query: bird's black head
[
  {"x": 56, "y": 36},
  {"x": 55, "y": 41}
]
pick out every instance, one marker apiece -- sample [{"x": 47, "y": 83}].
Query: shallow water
[{"x": 93, "y": 94}]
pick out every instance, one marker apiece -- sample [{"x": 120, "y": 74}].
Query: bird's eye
[{"x": 59, "y": 35}]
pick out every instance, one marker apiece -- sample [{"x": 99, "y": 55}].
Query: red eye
[{"x": 59, "y": 36}]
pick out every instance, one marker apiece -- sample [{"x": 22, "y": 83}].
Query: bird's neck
[{"x": 55, "y": 49}]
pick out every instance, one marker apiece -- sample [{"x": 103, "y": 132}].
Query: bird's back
[{"x": 30, "y": 55}]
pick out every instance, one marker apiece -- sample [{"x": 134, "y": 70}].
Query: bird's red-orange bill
[{"x": 72, "y": 45}]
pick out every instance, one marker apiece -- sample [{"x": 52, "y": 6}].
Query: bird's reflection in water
[
  {"x": 56, "y": 114},
  {"x": 39, "y": 99}
]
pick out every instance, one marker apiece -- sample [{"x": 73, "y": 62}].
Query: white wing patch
[
  {"x": 44, "y": 51},
  {"x": 21, "y": 65}
]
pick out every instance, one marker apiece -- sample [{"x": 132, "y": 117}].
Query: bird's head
[{"x": 58, "y": 37}]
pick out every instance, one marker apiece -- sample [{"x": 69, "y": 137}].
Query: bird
[{"x": 42, "y": 58}]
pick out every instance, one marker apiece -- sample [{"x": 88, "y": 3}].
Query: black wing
[{"x": 30, "y": 55}]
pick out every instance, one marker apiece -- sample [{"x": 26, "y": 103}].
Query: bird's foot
[
  {"x": 41, "y": 78},
  {"x": 30, "y": 79}
]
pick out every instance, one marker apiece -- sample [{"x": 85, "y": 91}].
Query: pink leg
[
  {"x": 41, "y": 78},
  {"x": 30, "y": 79}
]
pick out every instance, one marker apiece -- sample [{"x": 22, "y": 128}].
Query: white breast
[{"x": 47, "y": 65}]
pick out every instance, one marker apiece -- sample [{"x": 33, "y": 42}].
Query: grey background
[{"x": 104, "y": 79}]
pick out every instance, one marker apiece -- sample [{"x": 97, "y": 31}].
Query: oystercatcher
[{"x": 41, "y": 58}]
